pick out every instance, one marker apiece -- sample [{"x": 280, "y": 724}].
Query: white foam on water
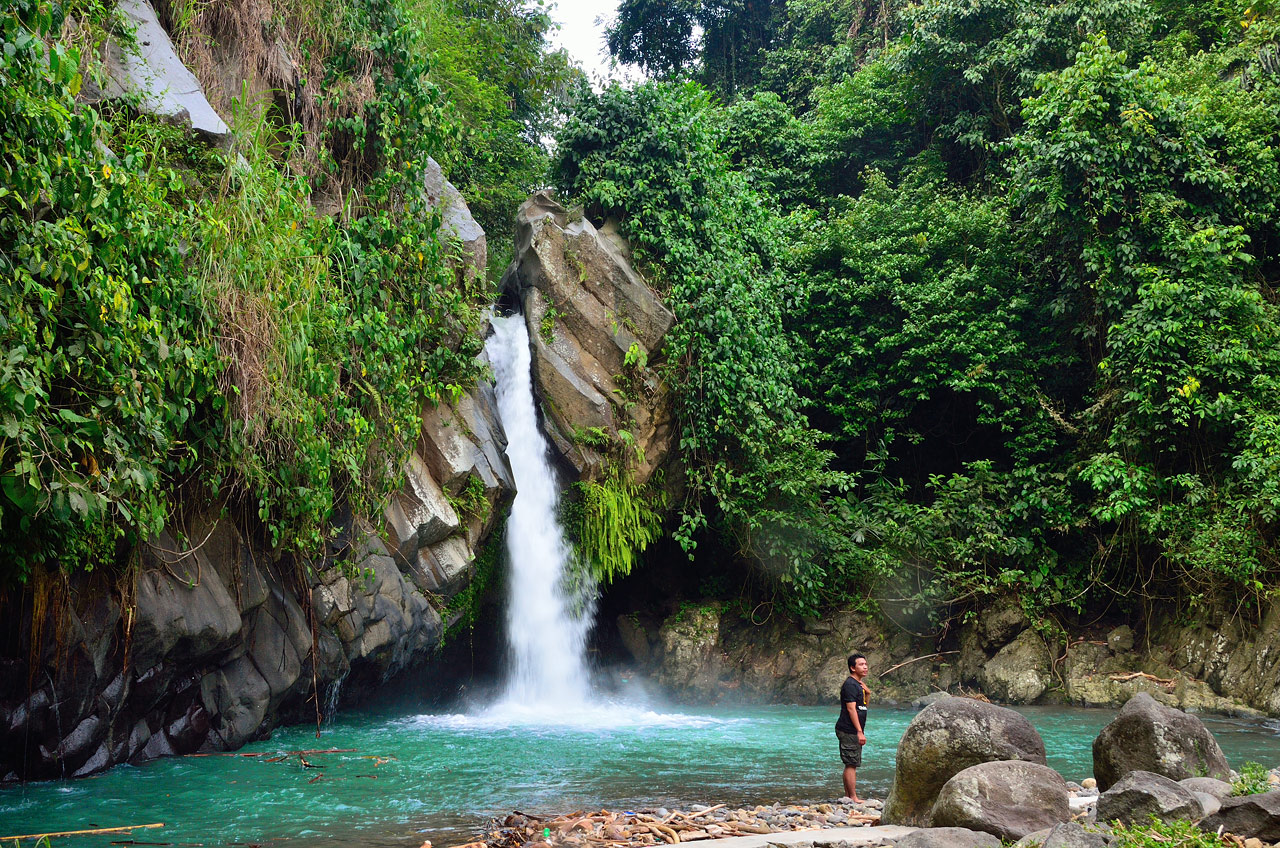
[
  {"x": 547, "y": 620},
  {"x": 587, "y": 718}
]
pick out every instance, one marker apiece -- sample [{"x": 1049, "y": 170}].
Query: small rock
[
  {"x": 1089, "y": 783},
  {"x": 1253, "y": 842}
]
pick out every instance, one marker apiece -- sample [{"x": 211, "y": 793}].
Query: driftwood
[
  {"x": 607, "y": 829},
  {"x": 125, "y": 829},
  {"x": 1167, "y": 683},
  {"x": 915, "y": 659},
  {"x": 276, "y": 756}
]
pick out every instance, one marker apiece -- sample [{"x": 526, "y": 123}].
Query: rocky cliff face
[
  {"x": 596, "y": 328},
  {"x": 208, "y": 645},
  {"x": 712, "y": 652}
]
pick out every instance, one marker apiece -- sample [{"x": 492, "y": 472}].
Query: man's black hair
[{"x": 853, "y": 658}]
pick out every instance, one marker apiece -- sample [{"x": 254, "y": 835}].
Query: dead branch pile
[{"x": 582, "y": 829}]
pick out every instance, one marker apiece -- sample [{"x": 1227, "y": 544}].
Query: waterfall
[{"x": 548, "y": 612}]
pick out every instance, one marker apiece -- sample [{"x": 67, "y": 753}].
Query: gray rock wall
[
  {"x": 209, "y": 645},
  {"x": 716, "y": 652}
]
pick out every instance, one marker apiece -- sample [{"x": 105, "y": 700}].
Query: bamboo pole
[{"x": 83, "y": 832}]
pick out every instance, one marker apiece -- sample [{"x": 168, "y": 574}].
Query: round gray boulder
[
  {"x": 944, "y": 739},
  {"x": 1249, "y": 816},
  {"x": 947, "y": 837},
  {"x": 1139, "y": 795},
  {"x": 1008, "y": 799},
  {"x": 1148, "y": 736}
]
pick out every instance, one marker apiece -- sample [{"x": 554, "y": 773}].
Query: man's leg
[{"x": 851, "y": 783}]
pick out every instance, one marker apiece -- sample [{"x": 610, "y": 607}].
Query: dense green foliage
[
  {"x": 653, "y": 157},
  {"x": 1015, "y": 260},
  {"x": 177, "y": 320},
  {"x": 972, "y": 296}
]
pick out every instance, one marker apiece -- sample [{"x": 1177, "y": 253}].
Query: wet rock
[
  {"x": 1147, "y": 736},
  {"x": 946, "y": 738},
  {"x": 947, "y": 837},
  {"x": 1250, "y": 816},
  {"x": 181, "y": 620},
  {"x": 1139, "y": 795},
  {"x": 1008, "y": 799}
]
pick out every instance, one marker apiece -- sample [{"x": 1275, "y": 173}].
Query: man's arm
[{"x": 852, "y": 708}]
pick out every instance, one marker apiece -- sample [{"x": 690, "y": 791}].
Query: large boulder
[
  {"x": 456, "y": 223},
  {"x": 1008, "y": 799},
  {"x": 946, "y": 738},
  {"x": 145, "y": 69},
  {"x": 1139, "y": 795},
  {"x": 1250, "y": 816},
  {"x": 1020, "y": 672},
  {"x": 947, "y": 837},
  {"x": 595, "y": 327},
  {"x": 1149, "y": 736}
]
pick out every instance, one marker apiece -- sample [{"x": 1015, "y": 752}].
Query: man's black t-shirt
[{"x": 852, "y": 692}]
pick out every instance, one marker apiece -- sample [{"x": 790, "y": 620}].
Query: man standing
[{"x": 851, "y": 727}]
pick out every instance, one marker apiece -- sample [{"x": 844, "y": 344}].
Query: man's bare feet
[{"x": 847, "y": 800}]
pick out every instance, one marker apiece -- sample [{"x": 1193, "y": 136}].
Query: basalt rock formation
[{"x": 714, "y": 651}]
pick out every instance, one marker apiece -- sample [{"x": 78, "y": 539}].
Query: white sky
[{"x": 581, "y": 33}]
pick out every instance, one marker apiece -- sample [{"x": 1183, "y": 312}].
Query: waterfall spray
[{"x": 547, "y": 617}]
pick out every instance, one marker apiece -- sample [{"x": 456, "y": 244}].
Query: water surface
[{"x": 441, "y": 777}]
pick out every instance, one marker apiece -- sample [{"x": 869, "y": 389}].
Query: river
[{"x": 442, "y": 776}]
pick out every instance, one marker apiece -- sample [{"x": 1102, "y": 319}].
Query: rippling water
[{"x": 441, "y": 777}]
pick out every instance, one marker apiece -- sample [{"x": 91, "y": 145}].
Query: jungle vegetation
[
  {"x": 972, "y": 296},
  {"x": 983, "y": 291}
]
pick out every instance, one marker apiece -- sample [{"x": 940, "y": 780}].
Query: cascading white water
[{"x": 547, "y": 620}]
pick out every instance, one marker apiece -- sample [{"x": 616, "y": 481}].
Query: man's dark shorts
[{"x": 850, "y": 750}]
